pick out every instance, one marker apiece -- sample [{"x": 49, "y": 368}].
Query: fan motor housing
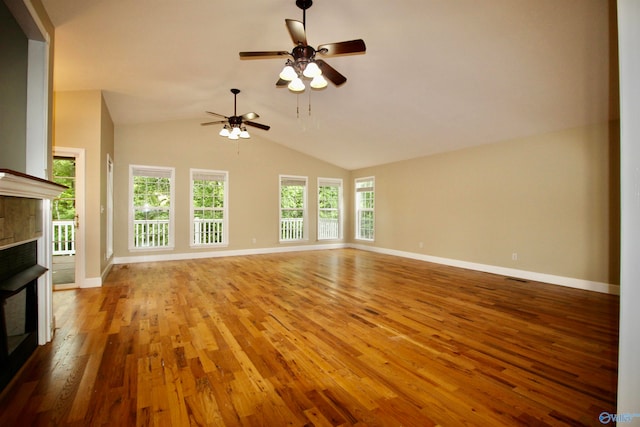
[{"x": 303, "y": 53}]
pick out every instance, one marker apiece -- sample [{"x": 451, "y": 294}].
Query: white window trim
[
  {"x": 172, "y": 172},
  {"x": 305, "y": 211},
  {"x": 225, "y": 221},
  {"x": 356, "y": 208},
  {"x": 338, "y": 182},
  {"x": 110, "y": 175}
]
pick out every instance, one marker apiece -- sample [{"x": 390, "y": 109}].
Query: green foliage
[
  {"x": 328, "y": 197},
  {"x": 292, "y": 201},
  {"x": 151, "y": 197},
  {"x": 328, "y": 202},
  {"x": 208, "y": 194},
  {"x": 64, "y": 173}
]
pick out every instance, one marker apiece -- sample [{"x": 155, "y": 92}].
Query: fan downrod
[{"x": 304, "y": 4}]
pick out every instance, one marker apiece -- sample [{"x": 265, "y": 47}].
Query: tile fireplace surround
[{"x": 24, "y": 297}]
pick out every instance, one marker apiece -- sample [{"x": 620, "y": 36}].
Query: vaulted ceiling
[{"x": 437, "y": 75}]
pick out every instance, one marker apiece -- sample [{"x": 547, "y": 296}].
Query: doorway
[{"x": 65, "y": 211}]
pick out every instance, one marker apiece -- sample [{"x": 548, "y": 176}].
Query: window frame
[
  {"x": 224, "y": 210},
  {"x": 331, "y": 182},
  {"x": 358, "y": 209},
  {"x": 305, "y": 208},
  {"x": 110, "y": 212},
  {"x": 159, "y": 171}
]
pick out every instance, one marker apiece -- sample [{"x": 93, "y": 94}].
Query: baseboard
[
  {"x": 503, "y": 271},
  {"x": 96, "y": 282},
  {"x": 223, "y": 253},
  {"x": 91, "y": 282},
  {"x": 570, "y": 282}
]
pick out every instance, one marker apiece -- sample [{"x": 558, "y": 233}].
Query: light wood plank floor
[{"x": 320, "y": 338}]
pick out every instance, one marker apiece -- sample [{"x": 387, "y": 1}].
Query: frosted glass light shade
[
  {"x": 235, "y": 131},
  {"x": 244, "y": 134},
  {"x": 233, "y": 135},
  {"x": 288, "y": 73},
  {"x": 311, "y": 70},
  {"x": 318, "y": 82},
  {"x": 224, "y": 131},
  {"x": 296, "y": 85}
]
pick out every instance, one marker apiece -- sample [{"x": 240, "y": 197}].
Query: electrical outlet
[{"x": 514, "y": 256}]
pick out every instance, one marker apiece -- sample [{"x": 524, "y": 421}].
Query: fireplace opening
[{"x": 19, "y": 274}]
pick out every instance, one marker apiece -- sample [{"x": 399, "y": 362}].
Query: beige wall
[
  {"x": 253, "y": 165},
  {"x": 547, "y": 198},
  {"x": 107, "y": 135},
  {"x": 551, "y": 199},
  {"x": 82, "y": 121}
]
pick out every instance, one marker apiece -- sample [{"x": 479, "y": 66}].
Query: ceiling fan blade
[
  {"x": 213, "y": 123},
  {"x": 296, "y": 29},
  {"x": 258, "y": 125},
  {"x": 249, "y": 116},
  {"x": 330, "y": 73},
  {"x": 216, "y": 114},
  {"x": 263, "y": 53},
  {"x": 341, "y": 48}
]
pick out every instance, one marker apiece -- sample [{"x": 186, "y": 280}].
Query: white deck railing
[
  {"x": 155, "y": 233},
  {"x": 64, "y": 237},
  {"x": 151, "y": 233},
  {"x": 291, "y": 229},
  {"x": 328, "y": 228},
  {"x": 208, "y": 231}
]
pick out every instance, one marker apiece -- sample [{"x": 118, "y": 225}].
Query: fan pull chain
[
  {"x": 309, "y": 102},
  {"x": 297, "y": 106}
]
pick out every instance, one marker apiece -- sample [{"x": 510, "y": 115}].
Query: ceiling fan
[
  {"x": 233, "y": 125},
  {"x": 303, "y": 62}
]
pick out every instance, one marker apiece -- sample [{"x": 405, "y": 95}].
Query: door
[
  {"x": 65, "y": 223},
  {"x": 68, "y": 267}
]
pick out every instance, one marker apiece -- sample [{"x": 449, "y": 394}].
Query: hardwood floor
[{"x": 323, "y": 338}]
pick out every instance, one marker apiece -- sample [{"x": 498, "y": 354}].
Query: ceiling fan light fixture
[
  {"x": 234, "y": 135},
  {"x": 244, "y": 133},
  {"x": 318, "y": 82},
  {"x": 288, "y": 73},
  {"x": 224, "y": 131},
  {"x": 235, "y": 131},
  {"x": 312, "y": 70},
  {"x": 296, "y": 85}
]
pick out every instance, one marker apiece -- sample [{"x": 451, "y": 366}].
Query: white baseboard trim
[
  {"x": 502, "y": 271},
  {"x": 223, "y": 253},
  {"x": 571, "y": 282},
  {"x": 96, "y": 282},
  {"x": 91, "y": 282}
]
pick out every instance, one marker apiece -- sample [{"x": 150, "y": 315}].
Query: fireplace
[
  {"x": 19, "y": 273},
  {"x": 25, "y": 286}
]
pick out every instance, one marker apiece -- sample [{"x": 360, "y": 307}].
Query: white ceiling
[{"x": 438, "y": 75}]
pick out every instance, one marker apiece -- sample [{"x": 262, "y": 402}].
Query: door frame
[{"x": 79, "y": 155}]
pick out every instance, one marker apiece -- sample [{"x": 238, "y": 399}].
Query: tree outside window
[
  {"x": 293, "y": 195},
  {"x": 365, "y": 202}
]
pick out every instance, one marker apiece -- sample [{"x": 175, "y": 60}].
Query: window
[
  {"x": 151, "y": 207},
  {"x": 209, "y": 216},
  {"x": 109, "y": 207},
  {"x": 329, "y": 208},
  {"x": 365, "y": 224},
  {"x": 293, "y": 208}
]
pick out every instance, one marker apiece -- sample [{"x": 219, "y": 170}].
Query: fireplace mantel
[{"x": 18, "y": 184}]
